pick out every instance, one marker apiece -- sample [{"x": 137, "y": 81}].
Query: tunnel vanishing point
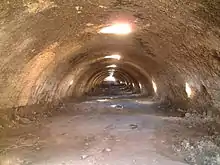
[{"x": 153, "y": 67}]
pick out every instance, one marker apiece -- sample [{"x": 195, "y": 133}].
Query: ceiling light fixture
[
  {"x": 114, "y": 56},
  {"x": 110, "y": 78},
  {"x": 118, "y": 28},
  {"x": 112, "y": 66}
]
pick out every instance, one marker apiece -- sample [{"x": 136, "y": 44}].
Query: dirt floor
[{"x": 116, "y": 132}]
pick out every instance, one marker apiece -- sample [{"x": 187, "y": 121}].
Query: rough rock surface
[{"x": 39, "y": 37}]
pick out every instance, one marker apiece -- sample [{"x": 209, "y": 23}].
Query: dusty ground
[{"x": 103, "y": 133}]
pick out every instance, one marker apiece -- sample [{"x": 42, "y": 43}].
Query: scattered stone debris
[
  {"x": 180, "y": 110},
  {"x": 89, "y": 24},
  {"x": 108, "y": 149},
  {"x": 36, "y": 7},
  {"x": 133, "y": 126},
  {"x": 84, "y": 157},
  {"x": 103, "y": 7},
  {"x": 38, "y": 148},
  {"x": 118, "y": 106},
  {"x": 79, "y": 9},
  {"x": 202, "y": 152},
  {"x": 187, "y": 115},
  {"x": 23, "y": 120}
]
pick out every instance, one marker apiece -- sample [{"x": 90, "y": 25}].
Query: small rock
[
  {"x": 103, "y": 7},
  {"x": 77, "y": 8},
  {"x": 89, "y": 24},
  {"x": 38, "y": 148},
  {"x": 187, "y": 115},
  {"x": 133, "y": 126},
  {"x": 155, "y": 161},
  {"x": 180, "y": 110},
  {"x": 119, "y": 106},
  {"x": 108, "y": 149},
  {"x": 64, "y": 134},
  {"x": 148, "y": 25},
  {"x": 24, "y": 120},
  {"x": 84, "y": 156}
]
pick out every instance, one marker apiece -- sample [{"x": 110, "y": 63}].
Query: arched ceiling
[{"x": 51, "y": 49}]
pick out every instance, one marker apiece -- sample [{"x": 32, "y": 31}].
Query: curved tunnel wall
[{"x": 44, "y": 45}]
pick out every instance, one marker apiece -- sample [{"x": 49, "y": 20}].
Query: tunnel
[{"x": 109, "y": 82}]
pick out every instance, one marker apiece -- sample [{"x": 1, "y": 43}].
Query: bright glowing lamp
[
  {"x": 112, "y": 66},
  {"x": 114, "y": 56},
  {"x": 110, "y": 78},
  {"x": 118, "y": 28}
]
